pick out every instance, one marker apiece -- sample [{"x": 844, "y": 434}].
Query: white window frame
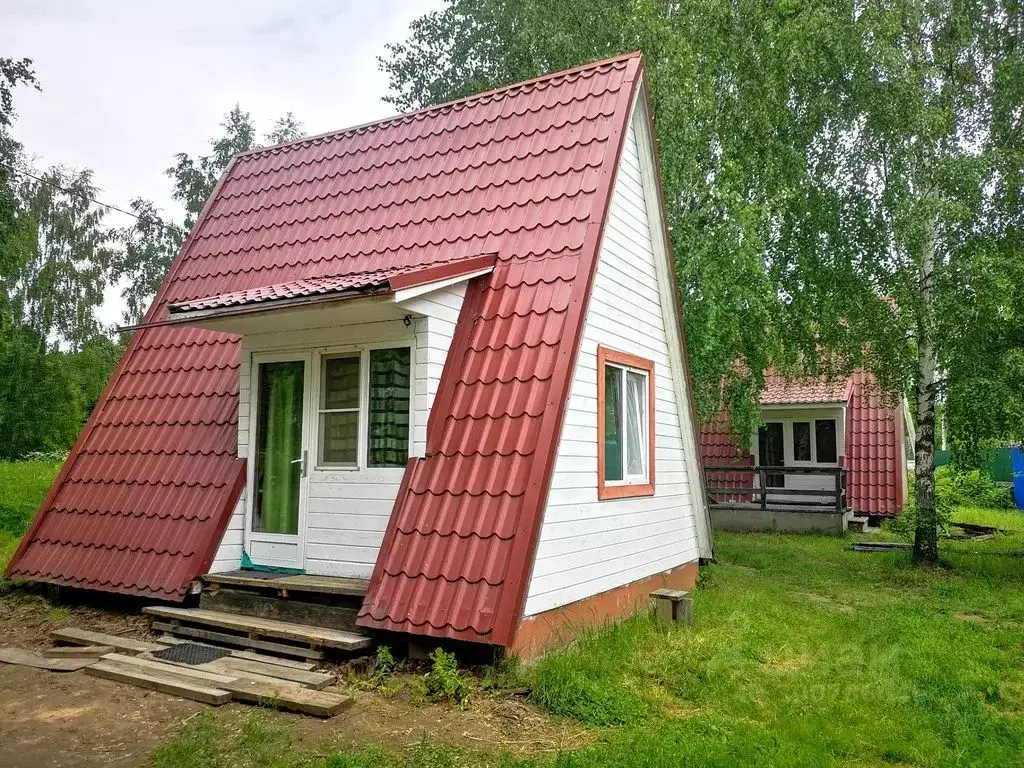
[
  {"x": 362, "y": 351},
  {"x": 628, "y": 479}
]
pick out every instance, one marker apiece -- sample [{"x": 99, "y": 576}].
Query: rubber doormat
[{"x": 190, "y": 653}]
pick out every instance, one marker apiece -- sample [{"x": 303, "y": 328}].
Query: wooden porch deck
[{"x": 283, "y": 583}]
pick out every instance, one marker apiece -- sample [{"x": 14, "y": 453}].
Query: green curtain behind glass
[
  {"x": 280, "y": 395},
  {"x": 390, "y": 390},
  {"x": 612, "y": 423}
]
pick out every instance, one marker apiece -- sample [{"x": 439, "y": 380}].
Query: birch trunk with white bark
[{"x": 926, "y": 534}]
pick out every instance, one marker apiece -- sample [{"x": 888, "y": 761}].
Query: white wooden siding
[
  {"x": 589, "y": 546},
  {"x": 348, "y": 510}
]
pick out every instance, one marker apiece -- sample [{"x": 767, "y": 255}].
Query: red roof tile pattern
[
  {"x": 293, "y": 289},
  {"x": 875, "y": 477},
  {"x": 459, "y": 546},
  {"x": 874, "y": 444},
  {"x": 524, "y": 173},
  {"x": 779, "y": 390},
  {"x": 384, "y": 279}
]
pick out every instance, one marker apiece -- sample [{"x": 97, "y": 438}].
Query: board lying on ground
[
  {"x": 26, "y": 658},
  {"x": 218, "y": 687},
  {"x": 78, "y": 651},
  {"x": 77, "y": 636}
]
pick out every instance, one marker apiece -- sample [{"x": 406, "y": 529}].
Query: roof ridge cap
[{"x": 422, "y": 111}]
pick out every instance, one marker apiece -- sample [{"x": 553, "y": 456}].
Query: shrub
[
  {"x": 444, "y": 682},
  {"x": 971, "y": 489}
]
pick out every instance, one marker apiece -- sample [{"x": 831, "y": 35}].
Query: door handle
[{"x": 303, "y": 462}]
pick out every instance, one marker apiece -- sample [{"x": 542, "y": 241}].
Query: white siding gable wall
[
  {"x": 589, "y": 546},
  {"x": 348, "y": 511}
]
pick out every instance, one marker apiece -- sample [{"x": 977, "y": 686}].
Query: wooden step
[
  {"x": 76, "y": 636},
  {"x": 175, "y": 685},
  {"x": 223, "y": 638},
  {"x": 256, "y": 627},
  {"x": 327, "y": 585},
  {"x": 295, "y": 610}
]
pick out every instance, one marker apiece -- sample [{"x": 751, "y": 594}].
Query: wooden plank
[
  {"x": 164, "y": 683},
  {"x": 275, "y": 660},
  {"x": 183, "y": 670},
  {"x": 77, "y": 651},
  {"x": 316, "y": 703},
  {"x": 25, "y": 658},
  {"x": 302, "y": 633},
  {"x": 216, "y": 668},
  {"x": 314, "y": 680},
  {"x": 327, "y": 585},
  {"x": 266, "y": 606},
  {"x": 77, "y": 636},
  {"x": 244, "y": 642},
  {"x": 306, "y": 666}
]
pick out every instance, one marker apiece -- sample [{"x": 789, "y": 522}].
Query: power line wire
[{"x": 150, "y": 219}]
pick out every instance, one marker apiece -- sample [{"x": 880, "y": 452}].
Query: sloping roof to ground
[
  {"x": 524, "y": 172},
  {"x": 459, "y": 546},
  {"x": 876, "y": 466}
]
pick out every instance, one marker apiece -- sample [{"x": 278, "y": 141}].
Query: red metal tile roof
[
  {"x": 390, "y": 279},
  {"x": 524, "y": 172},
  {"x": 459, "y": 546},
  {"x": 875, "y": 465},
  {"x": 779, "y": 390}
]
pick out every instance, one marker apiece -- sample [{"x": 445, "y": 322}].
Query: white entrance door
[{"x": 279, "y": 464}]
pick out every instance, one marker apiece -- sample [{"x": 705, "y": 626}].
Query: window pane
[
  {"x": 612, "y": 423},
  {"x": 278, "y": 445},
  {"x": 636, "y": 417},
  {"x": 341, "y": 383},
  {"x": 339, "y": 437},
  {"x": 390, "y": 386},
  {"x": 825, "y": 435},
  {"x": 801, "y": 441}
]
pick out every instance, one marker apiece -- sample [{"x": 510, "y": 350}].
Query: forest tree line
[{"x": 59, "y": 254}]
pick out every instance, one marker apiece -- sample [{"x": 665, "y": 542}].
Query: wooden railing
[{"x": 832, "y": 498}]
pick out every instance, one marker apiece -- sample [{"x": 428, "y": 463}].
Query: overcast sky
[{"x": 126, "y": 85}]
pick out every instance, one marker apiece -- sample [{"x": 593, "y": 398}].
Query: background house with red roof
[
  {"x": 819, "y": 423},
  {"x": 442, "y": 353}
]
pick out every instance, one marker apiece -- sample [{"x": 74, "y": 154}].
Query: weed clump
[{"x": 444, "y": 681}]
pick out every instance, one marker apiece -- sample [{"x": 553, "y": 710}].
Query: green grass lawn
[{"x": 23, "y": 485}]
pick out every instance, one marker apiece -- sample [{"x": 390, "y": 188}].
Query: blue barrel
[{"x": 1017, "y": 462}]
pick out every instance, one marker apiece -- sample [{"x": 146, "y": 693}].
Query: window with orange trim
[{"x": 625, "y": 425}]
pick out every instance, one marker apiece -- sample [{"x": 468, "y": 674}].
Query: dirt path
[
  {"x": 50, "y": 719},
  {"x": 68, "y": 719}
]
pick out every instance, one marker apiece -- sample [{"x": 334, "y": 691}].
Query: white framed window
[
  {"x": 625, "y": 422},
  {"x": 364, "y": 412}
]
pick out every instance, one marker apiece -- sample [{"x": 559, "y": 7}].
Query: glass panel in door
[
  {"x": 279, "y": 450},
  {"x": 771, "y": 452}
]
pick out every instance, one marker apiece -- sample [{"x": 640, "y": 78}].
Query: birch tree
[{"x": 830, "y": 171}]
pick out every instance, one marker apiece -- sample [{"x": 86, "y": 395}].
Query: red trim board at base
[{"x": 541, "y": 633}]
